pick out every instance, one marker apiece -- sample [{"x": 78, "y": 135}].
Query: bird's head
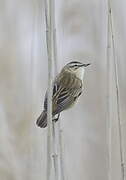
[{"x": 77, "y": 68}]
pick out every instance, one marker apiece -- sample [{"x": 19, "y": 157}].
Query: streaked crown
[{"x": 75, "y": 65}]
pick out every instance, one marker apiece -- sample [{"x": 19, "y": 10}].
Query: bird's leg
[{"x": 56, "y": 119}]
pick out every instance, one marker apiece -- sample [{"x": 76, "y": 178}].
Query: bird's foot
[{"x": 56, "y": 119}]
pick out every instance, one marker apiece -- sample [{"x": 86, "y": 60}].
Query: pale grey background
[{"x": 81, "y": 35}]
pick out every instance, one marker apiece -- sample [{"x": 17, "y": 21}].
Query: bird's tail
[{"x": 42, "y": 120}]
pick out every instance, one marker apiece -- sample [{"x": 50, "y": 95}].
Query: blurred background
[{"x": 81, "y": 35}]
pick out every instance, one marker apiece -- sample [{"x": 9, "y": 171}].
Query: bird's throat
[{"x": 80, "y": 73}]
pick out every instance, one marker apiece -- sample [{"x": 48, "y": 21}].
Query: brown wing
[
  {"x": 66, "y": 90},
  {"x": 70, "y": 88}
]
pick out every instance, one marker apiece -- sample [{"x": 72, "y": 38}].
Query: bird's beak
[{"x": 85, "y": 65}]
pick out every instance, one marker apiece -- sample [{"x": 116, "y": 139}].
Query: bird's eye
[{"x": 76, "y": 67}]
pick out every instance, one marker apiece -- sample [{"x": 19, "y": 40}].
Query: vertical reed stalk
[
  {"x": 52, "y": 57},
  {"x": 109, "y": 125},
  {"x": 55, "y": 152},
  {"x": 61, "y": 154},
  {"x": 57, "y": 146},
  {"x": 49, "y": 39},
  {"x": 111, "y": 32}
]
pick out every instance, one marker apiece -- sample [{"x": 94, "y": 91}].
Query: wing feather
[{"x": 63, "y": 97}]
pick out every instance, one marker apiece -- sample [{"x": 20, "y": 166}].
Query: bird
[{"x": 67, "y": 88}]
